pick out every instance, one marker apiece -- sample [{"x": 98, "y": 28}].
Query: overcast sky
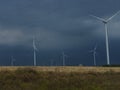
[{"x": 58, "y": 25}]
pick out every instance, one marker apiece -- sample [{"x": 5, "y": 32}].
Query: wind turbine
[
  {"x": 94, "y": 54},
  {"x": 63, "y": 58},
  {"x": 12, "y": 61},
  {"x": 34, "y": 52},
  {"x": 105, "y": 21}
]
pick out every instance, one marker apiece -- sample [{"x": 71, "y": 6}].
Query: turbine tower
[
  {"x": 63, "y": 58},
  {"x": 12, "y": 61},
  {"x": 34, "y": 51},
  {"x": 94, "y": 54},
  {"x": 105, "y": 21}
]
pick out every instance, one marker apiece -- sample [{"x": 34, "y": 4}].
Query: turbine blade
[
  {"x": 113, "y": 16},
  {"x": 63, "y": 53},
  {"x": 101, "y": 19},
  {"x": 34, "y": 46},
  {"x": 95, "y": 47}
]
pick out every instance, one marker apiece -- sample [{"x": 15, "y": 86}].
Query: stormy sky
[{"x": 58, "y": 25}]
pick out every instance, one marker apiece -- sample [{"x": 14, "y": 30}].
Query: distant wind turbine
[
  {"x": 12, "y": 61},
  {"x": 63, "y": 58},
  {"x": 34, "y": 52},
  {"x": 105, "y": 21},
  {"x": 94, "y": 54}
]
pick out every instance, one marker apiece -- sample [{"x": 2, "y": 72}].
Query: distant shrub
[{"x": 111, "y": 66}]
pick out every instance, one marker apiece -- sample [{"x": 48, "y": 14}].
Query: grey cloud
[
  {"x": 12, "y": 37},
  {"x": 56, "y": 23}
]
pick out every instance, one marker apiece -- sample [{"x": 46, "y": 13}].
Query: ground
[{"x": 59, "y": 78}]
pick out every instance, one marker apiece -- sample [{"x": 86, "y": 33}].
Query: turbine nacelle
[
  {"x": 94, "y": 50},
  {"x": 105, "y": 21}
]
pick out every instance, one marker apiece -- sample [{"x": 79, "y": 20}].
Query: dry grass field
[
  {"x": 81, "y": 69},
  {"x": 59, "y": 78}
]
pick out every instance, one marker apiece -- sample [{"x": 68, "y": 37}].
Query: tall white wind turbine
[
  {"x": 34, "y": 52},
  {"x": 94, "y": 54},
  {"x": 105, "y": 21}
]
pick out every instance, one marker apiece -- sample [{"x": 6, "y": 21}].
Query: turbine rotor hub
[{"x": 105, "y": 22}]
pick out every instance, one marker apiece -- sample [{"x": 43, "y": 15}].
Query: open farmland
[{"x": 59, "y": 78}]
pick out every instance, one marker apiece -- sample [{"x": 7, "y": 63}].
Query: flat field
[
  {"x": 59, "y": 78},
  {"x": 81, "y": 69}
]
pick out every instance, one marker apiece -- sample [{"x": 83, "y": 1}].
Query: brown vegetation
[
  {"x": 81, "y": 69},
  {"x": 59, "y": 78}
]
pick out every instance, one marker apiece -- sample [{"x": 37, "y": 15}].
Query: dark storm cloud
[{"x": 56, "y": 23}]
